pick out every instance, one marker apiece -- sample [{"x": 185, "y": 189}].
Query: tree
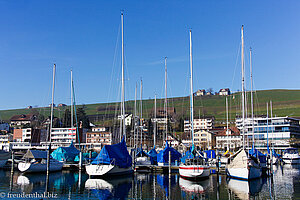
[
  {"x": 150, "y": 127},
  {"x": 180, "y": 127},
  {"x": 82, "y": 118},
  {"x": 210, "y": 90},
  {"x": 66, "y": 118}
]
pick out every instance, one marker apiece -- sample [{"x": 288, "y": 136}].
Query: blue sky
[{"x": 84, "y": 36}]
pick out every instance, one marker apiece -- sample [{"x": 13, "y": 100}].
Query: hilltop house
[
  {"x": 224, "y": 92},
  {"x": 200, "y": 93}
]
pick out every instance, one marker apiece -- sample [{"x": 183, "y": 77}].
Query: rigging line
[
  {"x": 185, "y": 92},
  {"x": 113, "y": 69},
  {"x": 236, "y": 63}
]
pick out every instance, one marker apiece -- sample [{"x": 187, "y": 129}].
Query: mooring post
[
  {"x": 169, "y": 164},
  {"x": 12, "y": 161},
  {"x": 90, "y": 156},
  {"x": 80, "y": 160}
]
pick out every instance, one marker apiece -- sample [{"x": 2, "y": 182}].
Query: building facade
[
  {"x": 199, "y": 124},
  {"x": 63, "y": 137},
  {"x": 280, "y": 132},
  {"x": 98, "y": 137},
  {"x": 224, "y": 92},
  {"x": 204, "y": 139},
  {"x": 228, "y": 139}
]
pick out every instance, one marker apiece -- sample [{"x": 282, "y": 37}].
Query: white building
[
  {"x": 5, "y": 138},
  {"x": 200, "y": 93},
  {"x": 128, "y": 119},
  {"x": 99, "y": 129},
  {"x": 204, "y": 139},
  {"x": 173, "y": 141},
  {"x": 224, "y": 92},
  {"x": 62, "y": 137},
  {"x": 199, "y": 124},
  {"x": 231, "y": 139},
  {"x": 278, "y": 130}
]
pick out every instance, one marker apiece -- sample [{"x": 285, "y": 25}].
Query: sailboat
[
  {"x": 196, "y": 167},
  {"x": 41, "y": 161},
  {"x": 143, "y": 161},
  {"x": 114, "y": 159},
  {"x": 163, "y": 155},
  {"x": 242, "y": 165}
]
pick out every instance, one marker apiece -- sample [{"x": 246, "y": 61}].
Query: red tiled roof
[
  {"x": 22, "y": 117},
  {"x": 234, "y": 132}
]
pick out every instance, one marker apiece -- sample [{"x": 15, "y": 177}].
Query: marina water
[{"x": 77, "y": 185}]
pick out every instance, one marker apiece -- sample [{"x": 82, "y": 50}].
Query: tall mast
[
  {"x": 51, "y": 121},
  {"x": 166, "y": 101},
  {"x": 154, "y": 122},
  {"x": 141, "y": 107},
  {"x": 252, "y": 109},
  {"x": 134, "y": 118},
  {"x": 243, "y": 86},
  {"x": 122, "y": 124},
  {"x": 191, "y": 92},
  {"x": 72, "y": 123},
  {"x": 268, "y": 128},
  {"x": 227, "y": 123},
  {"x": 271, "y": 108},
  {"x": 52, "y": 102}
]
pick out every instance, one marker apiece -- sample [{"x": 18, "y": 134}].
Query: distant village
[{"x": 27, "y": 131}]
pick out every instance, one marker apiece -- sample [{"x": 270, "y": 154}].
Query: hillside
[{"x": 285, "y": 103}]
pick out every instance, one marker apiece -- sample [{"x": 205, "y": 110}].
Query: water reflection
[
  {"x": 117, "y": 188},
  {"x": 245, "y": 189},
  {"x": 285, "y": 184}
]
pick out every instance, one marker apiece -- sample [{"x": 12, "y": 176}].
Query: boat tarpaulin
[
  {"x": 36, "y": 154},
  {"x": 188, "y": 155},
  {"x": 141, "y": 153},
  {"x": 259, "y": 155},
  {"x": 163, "y": 156},
  {"x": 114, "y": 154},
  {"x": 65, "y": 154},
  {"x": 153, "y": 156},
  {"x": 86, "y": 156}
]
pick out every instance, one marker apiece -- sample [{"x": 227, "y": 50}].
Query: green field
[{"x": 285, "y": 103}]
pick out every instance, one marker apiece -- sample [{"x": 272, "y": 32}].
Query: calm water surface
[{"x": 75, "y": 185}]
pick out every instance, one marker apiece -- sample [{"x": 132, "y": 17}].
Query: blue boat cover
[
  {"x": 257, "y": 154},
  {"x": 116, "y": 154},
  {"x": 153, "y": 156},
  {"x": 65, "y": 154},
  {"x": 188, "y": 155},
  {"x": 36, "y": 154},
  {"x": 163, "y": 156},
  {"x": 86, "y": 156},
  {"x": 210, "y": 153},
  {"x": 141, "y": 153}
]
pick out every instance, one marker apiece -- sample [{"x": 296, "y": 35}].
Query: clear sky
[{"x": 84, "y": 35}]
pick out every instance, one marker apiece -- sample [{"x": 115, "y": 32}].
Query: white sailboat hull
[
  {"x": 194, "y": 171},
  {"x": 142, "y": 161},
  {"x": 244, "y": 173},
  {"x": 39, "y": 167},
  {"x": 291, "y": 160},
  {"x": 105, "y": 170}
]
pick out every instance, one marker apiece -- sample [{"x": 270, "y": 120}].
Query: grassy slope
[{"x": 285, "y": 102}]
